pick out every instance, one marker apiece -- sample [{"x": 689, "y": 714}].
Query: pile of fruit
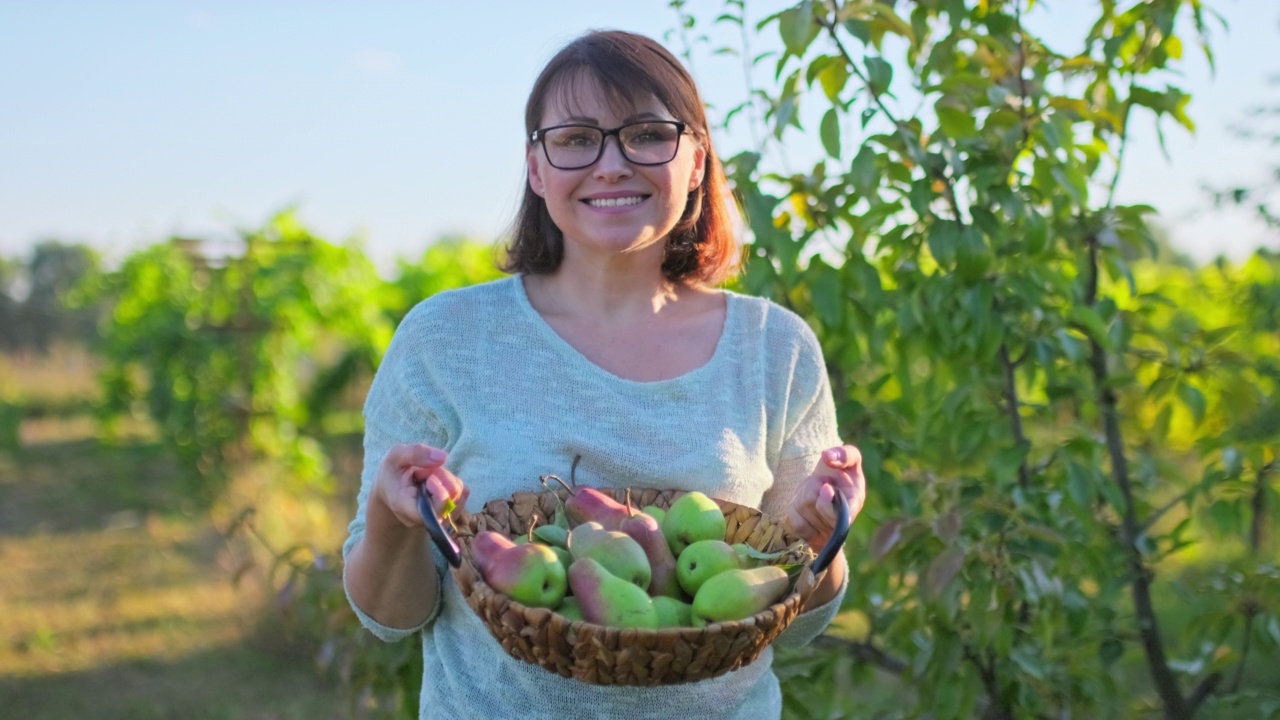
[{"x": 603, "y": 561}]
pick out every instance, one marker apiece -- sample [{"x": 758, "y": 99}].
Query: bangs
[
  {"x": 622, "y": 76},
  {"x": 566, "y": 90}
]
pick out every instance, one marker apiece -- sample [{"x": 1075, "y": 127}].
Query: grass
[{"x": 117, "y": 598}]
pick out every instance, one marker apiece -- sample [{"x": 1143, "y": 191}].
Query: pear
[
  {"x": 584, "y": 536},
  {"x": 621, "y": 556},
  {"x": 654, "y": 512},
  {"x": 702, "y": 561},
  {"x": 646, "y": 531},
  {"x": 608, "y": 600},
  {"x": 529, "y": 573},
  {"x": 691, "y": 518},
  {"x": 590, "y": 505},
  {"x": 738, "y": 594},
  {"x": 673, "y": 612},
  {"x": 563, "y": 555},
  {"x": 570, "y": 608},
  {"x": 486, "y": 545}
]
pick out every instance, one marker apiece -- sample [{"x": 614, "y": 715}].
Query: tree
[{"x": 1010, "y": 365}]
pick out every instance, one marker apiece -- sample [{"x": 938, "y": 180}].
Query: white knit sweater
[{"x": 480, "y": 374}]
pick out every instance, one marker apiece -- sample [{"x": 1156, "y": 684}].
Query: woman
[{"x": 609, "y": 341}]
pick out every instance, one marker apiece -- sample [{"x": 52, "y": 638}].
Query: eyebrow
[{"x": 625, "y": 121}]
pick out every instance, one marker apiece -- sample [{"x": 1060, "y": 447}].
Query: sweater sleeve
[
  {"x": 809, "y": 427},
  {"x": 395, "y": 412}
]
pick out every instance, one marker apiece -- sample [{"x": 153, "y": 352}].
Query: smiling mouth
[{"x": 615, "y": 202}]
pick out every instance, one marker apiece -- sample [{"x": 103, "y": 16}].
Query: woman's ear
[
  {"x": 535, "y": 172},
  {"x": 699, "y": 167}
]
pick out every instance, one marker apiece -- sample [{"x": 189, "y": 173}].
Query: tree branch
[
  {"x": 1166, "y": 684},
  {"x": 1015, "y": 415}
]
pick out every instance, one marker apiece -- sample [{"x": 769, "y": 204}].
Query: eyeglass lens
[{"x": 577, "y": 146}]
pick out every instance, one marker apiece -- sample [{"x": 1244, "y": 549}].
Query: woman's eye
[{"x": 577, "y": 139}]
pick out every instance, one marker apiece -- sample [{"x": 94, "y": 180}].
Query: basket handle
[
  {"x": 836, "y": 541},
  {"x": 446, "y": 544}
]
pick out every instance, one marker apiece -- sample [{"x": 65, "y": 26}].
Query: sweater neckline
[{"x": 572, "y": 354}]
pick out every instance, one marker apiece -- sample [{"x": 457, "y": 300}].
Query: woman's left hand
[{"x": 812, "y": 515}]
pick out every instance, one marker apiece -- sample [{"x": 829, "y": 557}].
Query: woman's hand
[
  {"x": 812, "y": 515},
  {"x": 404, "y": 468}
]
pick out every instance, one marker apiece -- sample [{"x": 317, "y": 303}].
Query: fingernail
[{"x": 437, "y": 455}]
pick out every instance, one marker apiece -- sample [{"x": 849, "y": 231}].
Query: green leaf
[
  {"x": 797, "y": 28},
  {"x": 833, "y": 77},
  {"x": 1110, "y": 650},
  {"x": 879, "y": 74},
  {"x": 1194, "y": 400},
  {"x": 1088, "y": 319},
  {"x": 1009, "y": 459},
  {"x": 956, "y": 123},
  {"x": 829, "y": 130},
  {"x": 864, "y": 173}
]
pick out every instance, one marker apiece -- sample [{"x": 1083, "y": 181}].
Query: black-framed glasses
[{"x": 573, "y": 147}]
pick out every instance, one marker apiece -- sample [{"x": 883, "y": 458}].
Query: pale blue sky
[{"x": 124, "y": 122}]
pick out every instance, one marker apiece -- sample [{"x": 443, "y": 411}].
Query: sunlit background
[{"x": 122, "y": 123}]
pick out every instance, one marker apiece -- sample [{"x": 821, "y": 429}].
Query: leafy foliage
[{"x": 1050, "y": 424}]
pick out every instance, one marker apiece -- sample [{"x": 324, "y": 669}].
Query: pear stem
[
  {"x": 573, "y": 470},
  {"x": 544, "y": 479}
]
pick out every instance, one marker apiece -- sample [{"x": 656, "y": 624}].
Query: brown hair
[{"x": 626, "y": 66}]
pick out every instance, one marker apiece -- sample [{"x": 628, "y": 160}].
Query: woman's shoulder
[
  {"x": 774, "y": 323},
  {"x": 468, "y": 305}
]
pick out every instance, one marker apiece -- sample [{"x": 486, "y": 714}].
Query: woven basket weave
[{"x": 614, "y": 656}]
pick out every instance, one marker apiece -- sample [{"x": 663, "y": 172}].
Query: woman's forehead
[{"x": 580, "y": 95}]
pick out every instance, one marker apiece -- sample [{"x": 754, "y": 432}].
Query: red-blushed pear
[
  {"x": 646, "y": 531},
  {"x": 702, "y": 561},
  {"x": 582, "y": 537},
  {"x": 608, "y": 600},
  {"x": 486, "y": 545},
  {"x": 622, "y": 557},
  {"x": 528, "y": 573},
  {"x": 588, "y": 505},
  {"x": 738, "y": 594},
  {"x": 692, "y": 517}
]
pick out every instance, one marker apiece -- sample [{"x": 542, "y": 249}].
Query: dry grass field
[{"x": 116, "y": 592}]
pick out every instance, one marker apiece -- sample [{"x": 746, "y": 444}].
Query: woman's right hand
[{"x": 406, "y": 466}]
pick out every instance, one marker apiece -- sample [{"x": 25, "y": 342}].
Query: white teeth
[{"x": 615, "y": 202}]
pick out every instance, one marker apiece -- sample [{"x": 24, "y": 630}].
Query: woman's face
[{"x": 614, "y": 206}]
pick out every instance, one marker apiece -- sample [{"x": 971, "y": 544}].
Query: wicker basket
[{"x": 614, "y": 656}]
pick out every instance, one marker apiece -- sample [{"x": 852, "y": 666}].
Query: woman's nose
[{"x": 612, "y": 162}]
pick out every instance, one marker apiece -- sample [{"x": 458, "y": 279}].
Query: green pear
[
  {"x": 702, "y": 561},
  {"x": 608, "y": 600},
  {"x": 673, "y": 612},
  {"x": 621, "y": 556},
  {"x": 691, "y": 518},
  {"x": 528, "y": 573},
  {"x": 738, "y": 594},
  {"x": 654, "y": 512},
  {"x": 570, "y": 608},
  {"x": 566, "y": 559}
]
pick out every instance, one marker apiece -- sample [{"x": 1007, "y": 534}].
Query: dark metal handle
[
  {"x": 836, "y": 541},
  {"x": 447, "y": 546}
]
